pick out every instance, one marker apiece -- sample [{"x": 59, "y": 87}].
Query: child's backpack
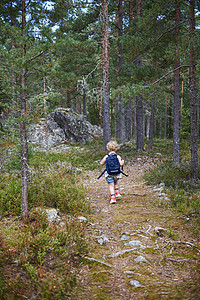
[{"x": 112, "y": 166}]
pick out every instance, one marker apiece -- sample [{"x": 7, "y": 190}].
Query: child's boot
[
  {"x": 112, "y": 199},
  {"x": 117, "y": 194}
]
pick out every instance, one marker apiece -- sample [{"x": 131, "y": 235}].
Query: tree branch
[
  {"x": 32, "y": 58},
  {"x": 187, "y": 66}
]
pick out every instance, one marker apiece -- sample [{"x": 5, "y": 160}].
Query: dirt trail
[{"x": 171, "y": 267}]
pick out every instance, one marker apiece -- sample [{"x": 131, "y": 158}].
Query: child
[{"x": 112, "y": 180}]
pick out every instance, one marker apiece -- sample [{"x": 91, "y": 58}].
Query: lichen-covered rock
[{"x": 64, "y": 125}]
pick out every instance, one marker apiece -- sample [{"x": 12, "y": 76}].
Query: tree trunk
[
  {"x": 68, "y": 99},
  {"x": 193, "y": 110},
  {"x": 105, "y": 77},
  {"x": 129, "y": 115},
  {"x": 84, "y": 104},
  {"x": 130, "y": 12},
  {"x": 122, "y": 126},
  {"x": 24, "y": 148},
  {"x": 151, "y": 124},
  {"x": 176, "y": 141},
  {"x": 139, "y": 100},
  {"x": 140, "y": 123},
  {"x": 165, "y": 126},
  {"x": 129, "y": 120},
  {"x": 61, "y": 88},
  {"x": 134, "y": 120},
  {"x": 45, "y": 110}
]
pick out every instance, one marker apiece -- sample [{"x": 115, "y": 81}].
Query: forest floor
[{"x": 169, "y": 266}]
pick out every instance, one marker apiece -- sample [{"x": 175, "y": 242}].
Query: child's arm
[
  {"x": 121, "y": 161},
  {"x": 103, "y": 161}
]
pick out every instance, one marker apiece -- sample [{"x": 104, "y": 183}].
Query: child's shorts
[{"x": 111, "y": 179}]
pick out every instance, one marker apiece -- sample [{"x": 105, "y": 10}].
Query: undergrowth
[
  {"x": 42, "y": 263},
  {"x": 181, "y": 190}
]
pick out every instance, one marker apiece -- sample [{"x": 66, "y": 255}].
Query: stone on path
[
  {"x": 135, "y": 243},
  {"x": 141, "y": 259},
  {"x": 135, "y": 283}
]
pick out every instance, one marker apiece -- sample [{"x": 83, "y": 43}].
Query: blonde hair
[{"x": 112, "y": 146}]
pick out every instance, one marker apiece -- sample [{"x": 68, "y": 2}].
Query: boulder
[{"x": 64, "y": 125}]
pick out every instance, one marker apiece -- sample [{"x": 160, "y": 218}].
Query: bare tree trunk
[
  {"x": 198, "y": 111},
  {"x": 134, "y": 120},
  {"x": 61, "y": 94},
  {"x": 193, "y": 110},
  {"x": 140, "y": 123},
  {"x": 151, "y": 124},
  {"x": 129, "y": 115},
  {"x": 165, "y": 126},
  {"x": 84, "y": 100},
  {"x": 106, "y": 67},
  {"x": 45, "y": 111},
  {"x": 61, "y": 86},
  {"x": 139, "y": 100},
  {"x": 117, "y": 123},
  {"x": 68, "y": 99},
  {"x": 24, "y": 148},
  {"x": 129, "y": 120},
  {"x": 181, "y": 105},
  {"x": 122, "y": 128},
  {"x": 148, "y": 126},
  {"x": 13, "y": 73},
  {"x": 176, "y": 141}
]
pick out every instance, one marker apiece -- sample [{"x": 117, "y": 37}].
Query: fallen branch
[
  {"x": 99, "y": 261},
  {"x": 104, "y": 271},
  {"x": 180, "y": 242},
  {"x": 177, "y": 260},
  {"x": 122, "y": 252}
]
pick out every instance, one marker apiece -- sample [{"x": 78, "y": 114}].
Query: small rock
[
  {"x": 135, "y": 283},
  {"x": 52, "y": 215},
  {"x": 140, "y": 259},
  {"x": 102, "y": 239},
  {"x": 133, "y": 243},
  {"x": 128, "y": 272},
  {"x": 81, "y": 219},
  {"x": 124, "y": 238}
]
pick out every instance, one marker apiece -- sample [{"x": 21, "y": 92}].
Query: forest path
[{"x": 171, "y": 267}]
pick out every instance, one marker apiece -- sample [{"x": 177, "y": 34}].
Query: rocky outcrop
[{"x": 64, "y": 125}]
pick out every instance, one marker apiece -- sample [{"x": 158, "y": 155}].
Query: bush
[{"x": 59, "y": 190}]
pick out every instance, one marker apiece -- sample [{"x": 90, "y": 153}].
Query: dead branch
[
  {"x": 187, "y": 66},
  {"x": 177, "y": 260},
  {"x": 180, "y": 242},
  {"x": 99, "y": 261}
]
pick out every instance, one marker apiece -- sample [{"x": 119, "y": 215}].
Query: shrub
[
  {"x": 176, "y": 178},
  {"x": 10, "y": 194},
  {"x": 46, "y": 256}
]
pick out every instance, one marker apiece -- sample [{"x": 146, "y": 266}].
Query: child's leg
[
  {"x": 111, "y": 188},
  {"x": 112, "y": 192},
  {"x": 116, "y": 188}
]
